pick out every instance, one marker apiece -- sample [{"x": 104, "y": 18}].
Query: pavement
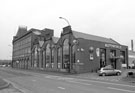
[
  {"x": 3, "y": 84},
  {"x": 122, "y": 78}
]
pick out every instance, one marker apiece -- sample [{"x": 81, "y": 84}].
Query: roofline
[{"x": 22, "y": 35}]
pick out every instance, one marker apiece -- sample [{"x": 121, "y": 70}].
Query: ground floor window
[
  {"x": 44, "y": 59},
  {"x": 48, "y": 51},
  {"x": 65, "y": 63},
  {"x": 52, "y": 58},
  {"x": 59, "y": 57}
]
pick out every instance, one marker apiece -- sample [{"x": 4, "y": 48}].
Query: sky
[{"x": 106, "y": 18}]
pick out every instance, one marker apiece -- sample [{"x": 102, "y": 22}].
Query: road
[{"x": 31, "y": 82}]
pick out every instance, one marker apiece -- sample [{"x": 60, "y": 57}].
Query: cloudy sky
[{"x": 107, "y": 18}]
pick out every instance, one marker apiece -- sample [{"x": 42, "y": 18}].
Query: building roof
[
  {"x": 55, "y": 39},
  {"x": 93, "y": 37}
]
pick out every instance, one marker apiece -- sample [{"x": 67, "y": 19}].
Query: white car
[{"x": 109, "y": 71}]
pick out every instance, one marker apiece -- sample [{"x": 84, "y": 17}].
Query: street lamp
[{"x": 65, "y": 20}]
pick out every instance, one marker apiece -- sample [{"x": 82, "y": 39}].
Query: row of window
[
  {"x": 113, "y": 57},
  {"x": 48, "y": 56},
  {"x": 22, "y": 44},
  {"x": 22, "y": 52}
]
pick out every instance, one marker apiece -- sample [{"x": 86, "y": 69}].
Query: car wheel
[
  {"x": 118, "y": 73},
  {"x": 103, "y": 74}
]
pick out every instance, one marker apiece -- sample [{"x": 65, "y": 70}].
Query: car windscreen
[{"x": 107, "y": 69}]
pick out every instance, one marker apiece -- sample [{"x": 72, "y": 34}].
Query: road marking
[
  {"x": 33, "y": 80},
  {"x": 120, "y": 89},
  {"x": 79, "y": 82},
  {"x": 101, "y": 78},
  {"x": 58, "y": 77},
  {"x": 65, "y": 78},
  {"x": 52, "y": 77},
  {"x": 61, "y": 88},
  {"x": 106, "y": 83}
]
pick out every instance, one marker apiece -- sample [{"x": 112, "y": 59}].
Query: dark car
[{"x": 109, "y": 71}]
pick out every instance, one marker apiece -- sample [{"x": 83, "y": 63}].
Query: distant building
[
  {"x": 131, "y": 57},
  {"x": 5, "y": 62},
  {"x": 73, "y": 52}
]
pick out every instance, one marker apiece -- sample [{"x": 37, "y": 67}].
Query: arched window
[
  {"x": 44, "y": 58},
  {"x": 32, "y": 62},
  {"x": 59, "y": 57},
  {"x": 73, "y": 54},
  {"x": 65, "y": 54},
  {"x": 35, "y": 57},
  {"x": 52, "y": 60},
  {"x": 48, "y": 51}
]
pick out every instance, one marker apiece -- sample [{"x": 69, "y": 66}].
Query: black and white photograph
[{"x": 67, "y": 46}]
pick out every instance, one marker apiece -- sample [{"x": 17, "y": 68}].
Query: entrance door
[
  {"x": 113, "y": 59},
  {"x": 102, "y": 57}
]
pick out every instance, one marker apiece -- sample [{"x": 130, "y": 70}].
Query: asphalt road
[{"x": 31, "y": 82}]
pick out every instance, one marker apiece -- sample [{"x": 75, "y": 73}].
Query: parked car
[
  {"x": 2, "y": 65},
  {"x": 109, "y": 71}
]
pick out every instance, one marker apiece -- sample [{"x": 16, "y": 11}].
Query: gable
[{"x": 55, "y": 39}]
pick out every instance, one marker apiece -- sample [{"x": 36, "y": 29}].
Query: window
[
  {"x": 102, "y": 57},
  {"x": 59, "y": 56},
  {"x": 44, "y": 57},
  {"x": 47, "y": 55},
  {"x": 73, "y": 54},
  {"x": 35, "y": 57},
  {"x": 52, "y": 58},
  {"x": 65, "y": 54},
  {"x": 122, "y": 56},
  {"x": 113, "y": 58}
]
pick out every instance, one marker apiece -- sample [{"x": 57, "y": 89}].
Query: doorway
[
  {"x": 113, "y": 58},
  {"x": 102, "y": 57}
]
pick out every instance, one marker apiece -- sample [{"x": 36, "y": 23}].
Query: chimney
[{"x": 132, "y": 45}]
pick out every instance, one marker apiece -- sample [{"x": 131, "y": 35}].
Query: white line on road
[
  {"x": 78, "y": 82},
  {"x": 52, "y": 76},
  {"x": 106, "y": 83},
  {"x": 61, "y": 88},
  {"x": 107, "y": 87},
  {"x": 75, "y": 79},
  {"x": 65, "y": 78},
  {"x": 33, "y": 80},
  {"x": 58, "y": 77},
  {"x": 121, "y": 89}
]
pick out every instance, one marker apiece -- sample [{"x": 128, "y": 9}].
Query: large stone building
[{"x": 73, "y": 52}]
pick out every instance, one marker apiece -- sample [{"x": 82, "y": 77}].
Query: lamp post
[
  {"x": 65, "y": 20},
  {"x": 70, "y": 50}
]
